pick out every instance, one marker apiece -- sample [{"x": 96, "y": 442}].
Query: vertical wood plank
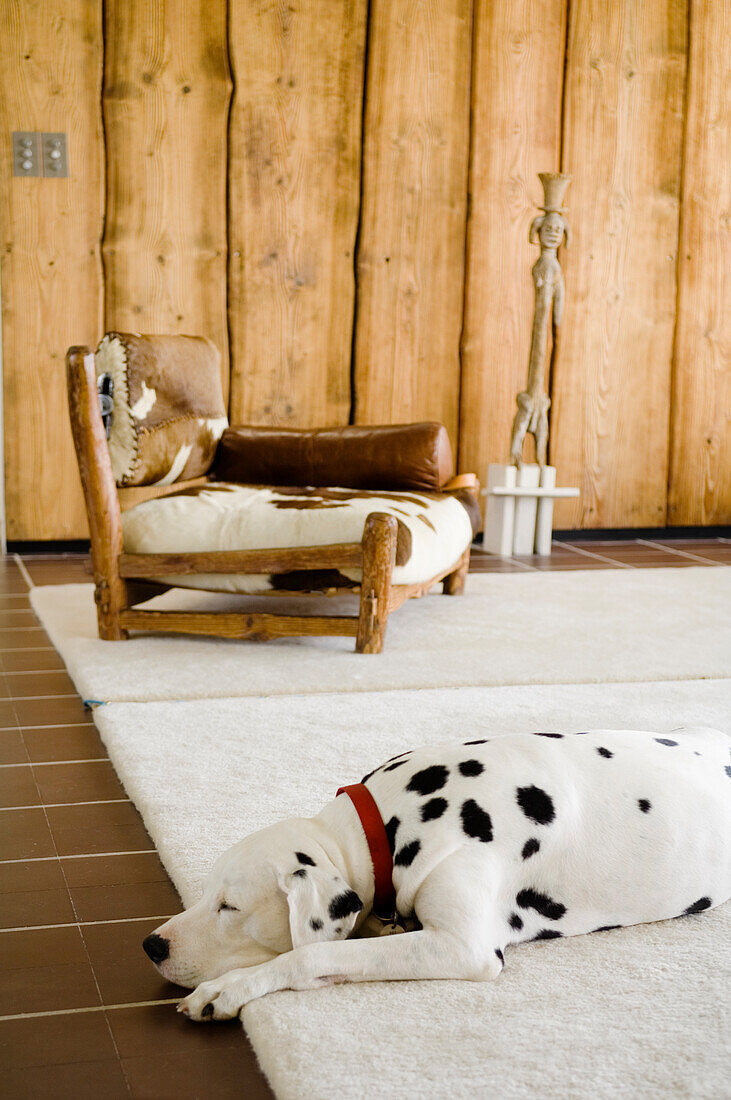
[
  {"x": 622, "y": 138},
  {"x": 410, "y": 267},
  {"x": 700, "y": 462},
  {"x": 166, "y": 95},
  {"x": 518, "y": 54},
  {"x": 294, "y": 183},
  {"x": 50, "y": 81}
]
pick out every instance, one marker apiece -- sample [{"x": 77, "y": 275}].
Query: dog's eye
[{"x": 225, "y": 905}]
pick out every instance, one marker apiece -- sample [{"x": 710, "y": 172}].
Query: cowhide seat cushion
[{"x": 434, "y": 530}]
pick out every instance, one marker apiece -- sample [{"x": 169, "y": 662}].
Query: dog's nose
[{"x": 156, "y": 947}]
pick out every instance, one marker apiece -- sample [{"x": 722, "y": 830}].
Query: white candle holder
[{"x": 519, "y": 513}]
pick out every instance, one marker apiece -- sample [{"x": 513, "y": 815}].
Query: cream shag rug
[
  {"x": 639, "y": 1012},
  {"x": 561, "y": 627}
]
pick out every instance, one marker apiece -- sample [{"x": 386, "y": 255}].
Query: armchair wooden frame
[{"x": 116, "y": 573}]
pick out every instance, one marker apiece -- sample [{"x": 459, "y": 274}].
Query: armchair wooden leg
[
  {"x": 379, "y": 556},
  {"x": 110, "y": 597},
  {"x": 453, "y": 584}
]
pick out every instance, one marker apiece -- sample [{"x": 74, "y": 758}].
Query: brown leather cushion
[
  {"x": 168, "y": 411},
  {"x": 396, "y": 456}
]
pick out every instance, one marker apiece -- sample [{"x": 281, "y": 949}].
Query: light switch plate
[
  {"x": 26, "y": 153},
  {"x": 55, "y": 160}
]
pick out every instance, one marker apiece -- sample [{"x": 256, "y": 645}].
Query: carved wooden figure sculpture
[{"x": 548, "y": 230}]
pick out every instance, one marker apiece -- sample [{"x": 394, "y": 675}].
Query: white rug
[
  {"x": 640, "y": 1012},
  {"x": 561, "y": 627}
]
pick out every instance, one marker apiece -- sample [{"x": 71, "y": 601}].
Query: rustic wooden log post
[
  {"x": 453, "y": 584},
  {"x": 100, "y": 491},
  {"x": 379, "y": 556}
]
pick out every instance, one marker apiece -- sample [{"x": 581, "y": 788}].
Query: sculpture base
[{"x": 519, "y": 514}]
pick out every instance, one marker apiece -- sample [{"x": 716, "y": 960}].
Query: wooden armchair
[{"x": 125, "y": 576}]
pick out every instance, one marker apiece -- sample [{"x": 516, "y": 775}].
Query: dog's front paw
[{"x": 221, "y": 999}]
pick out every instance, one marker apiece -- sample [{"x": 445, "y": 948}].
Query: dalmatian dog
[{"x": 494, "y": 842}]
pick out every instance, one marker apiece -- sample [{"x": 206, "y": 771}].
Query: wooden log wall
[
  {"x": 51, "y": 275},
  {"x": 294, "y": 177},
  {"x": 517, "y": 69},
  {"x": 700, "y": 436},
  {"x": 410, "y": 267},
  {"x": 338, "y": 193},
  {"x": 165, "y": 100}
]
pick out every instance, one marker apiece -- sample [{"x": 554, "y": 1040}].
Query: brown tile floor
[{"x": 82, "y": 1012}]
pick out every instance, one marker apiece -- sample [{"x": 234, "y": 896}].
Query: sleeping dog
[{"x": 483, "y": 844}]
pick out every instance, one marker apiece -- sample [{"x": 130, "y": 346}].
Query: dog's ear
[{"x": 322, "y": 905}]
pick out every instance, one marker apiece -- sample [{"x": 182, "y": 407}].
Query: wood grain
[
  {"x": 338, "y": 556},
  {"x": 518, "y": 52},
  {"x": 410, "y": 269},
  {"x": 622, "y": 139},
  {"x": 258, "y": 626},
  {"x": 50, "y": 81},
  {"x": 700, "y": 462},
  {"x": 379, "y": 557},
  {"x": 294, "y": 179},
  {"x": 166, "y": 94}
]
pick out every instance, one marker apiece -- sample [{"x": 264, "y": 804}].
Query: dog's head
[{"x": 274, "y": 890}]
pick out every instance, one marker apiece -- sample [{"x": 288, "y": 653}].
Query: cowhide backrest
[{"x": 169, "y": 412}]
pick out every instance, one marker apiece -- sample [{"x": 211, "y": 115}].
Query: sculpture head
[{"x": 548, "y": 230}]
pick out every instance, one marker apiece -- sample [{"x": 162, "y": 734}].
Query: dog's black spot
[
  {"x": 207, "y": 1010},
  {"x": 391, "y": 828},
  {"x": 581, "y": 733},
  {"x": 530, "y": 848},
  {"x": 536, "y": 804},
  {"x": 727, "y": 769},
  {"x": 666, "y": 741},
  {"x": 548, "y": 735},
  {"x": 471, "y": 767},
  {"x": 476, "y": 821},
  {"x": 428, "y": 780},
  {"x": 500, "y": 955},
  {"x": 434, "y": 808},
  {"x": 606, "y": 753},
  {"x": 698, "y": 906},
  {"x": 406, "y": 855},
  {"x": 301, "y": 873},
  {"x": 644, "y": 805},
  {"x": 399, "y": 755},
  {"x": 481, "y": 741},
  {"x": 338, "y": 929},
  {"x": 547, "y": 907},
  {"x": 607, "y": 928},
  {"x": 344, "y": 904},
  {"x": 515, "y": 922},
  {"x": 392, "y": 767},
  {"x": 368, "y": 776},
  {"x": 315, "y": 924},
  {"x": 302, "y": 858},
  {"x": 548, "y": 934}
]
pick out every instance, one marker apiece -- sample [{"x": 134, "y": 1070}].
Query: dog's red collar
[{"x": 384, "y": 900}]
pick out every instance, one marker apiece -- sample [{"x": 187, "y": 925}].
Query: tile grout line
[
  {"x": 82, "y": 855},
  {"x": 91, "y": 1008},
  {"x": 58, "y": 805},
  {"x": 54, "y": 763},
  {"x": 679, "y": 553},
  {"x": 596, "y": 557},
  {"x": 23, "y": 571},
  {"x": 84, "y": 923},
  {"x": 54, "y": 725}
]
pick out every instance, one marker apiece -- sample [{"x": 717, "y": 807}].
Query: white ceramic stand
[{"x": 519, "y": 514}]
